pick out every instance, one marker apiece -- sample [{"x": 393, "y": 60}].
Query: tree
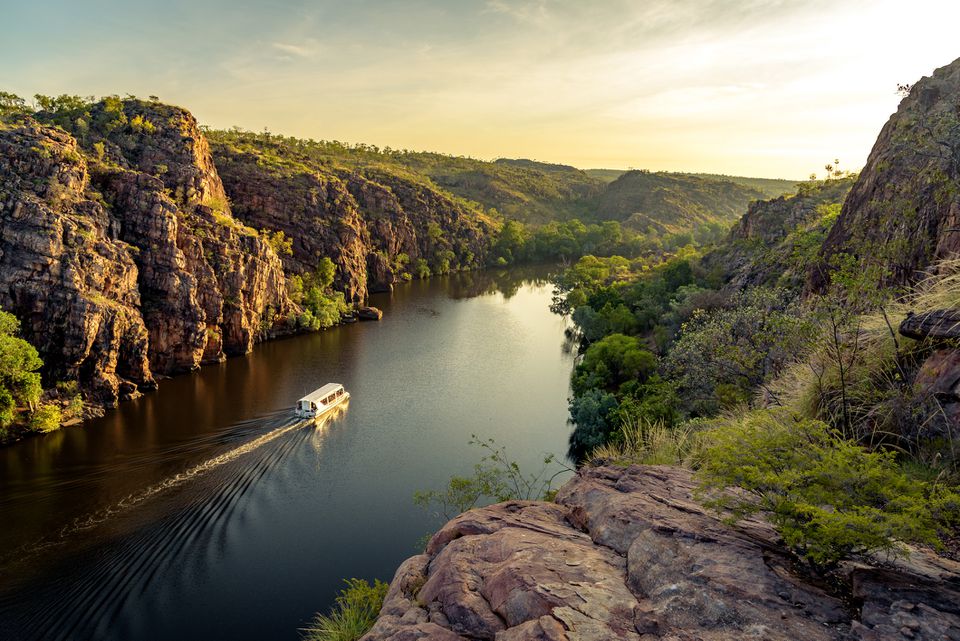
[
  {"x": 19, "y": 365},
  {"x": 11, "y": 104},
  {"x": 611, "y": 362},
  {"x": 741, "y": 345}
]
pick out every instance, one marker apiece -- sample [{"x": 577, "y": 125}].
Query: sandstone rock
[
  {"x": 63, "y": 271},
  {"x": 938, "y": 324},
  {"x": 629, "y": 554},
  {"x": 369, "y": 313},
  {"x": 904, "y": 210},
  {"x": 122, "y": 258},
  {"x": 363, "y": 220}
]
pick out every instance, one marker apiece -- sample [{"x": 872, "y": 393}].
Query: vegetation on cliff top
[{"x": 680, "y": 365}]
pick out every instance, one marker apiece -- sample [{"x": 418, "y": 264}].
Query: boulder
[
  {"x": 369, "y": 313},
  {"x": 629, "y": 554}
]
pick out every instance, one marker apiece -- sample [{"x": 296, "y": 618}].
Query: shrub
[
  {"x": 643, "y": 442},
  {"x": 827, "y": 497},
  {"x": 353, "y": 614},
  {"x": 495, "y": 478},
  {"x": 612, "y": 361},
  {"x": 591, "y": 412},
  {"x": 46, "y": 418},
  {"x": 19, "y": 365}
]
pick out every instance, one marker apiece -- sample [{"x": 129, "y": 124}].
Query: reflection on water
[{"x": 206, "y": 510}]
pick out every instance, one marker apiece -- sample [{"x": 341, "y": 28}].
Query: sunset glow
[{"x": 757, "y": 87}]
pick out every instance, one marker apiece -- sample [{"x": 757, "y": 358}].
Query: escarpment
[
  {"x": 376, "y": 225},
  {"x": 120, "y": 253},
  {"x": 63, "y": 269},
  {"x": 629, "y": 554},
  {"x": 903, "y": 213},
  {"x": 130, "y": 249}
]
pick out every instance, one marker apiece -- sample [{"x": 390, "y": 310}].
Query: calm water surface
[{"x": 206, "y": 511}]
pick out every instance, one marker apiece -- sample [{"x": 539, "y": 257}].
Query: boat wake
[{"x": 87, "y": 597}]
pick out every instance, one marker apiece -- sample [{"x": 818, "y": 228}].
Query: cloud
[
  {"x": 532, "y": 12},
  {"x": 307, "y": 50}
]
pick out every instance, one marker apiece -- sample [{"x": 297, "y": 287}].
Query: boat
[{"x": 321, "y": 401}]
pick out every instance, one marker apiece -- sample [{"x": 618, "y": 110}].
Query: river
[{"x": 204, "y": 510}]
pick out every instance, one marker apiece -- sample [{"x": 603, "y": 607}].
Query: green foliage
[
  {"x": 727, "y": 353},
  {"x": 322, "y": 307},
  {"x": 422, "y": 269},
  {"x": 495, "y": 478},
  {"x": 12, "y": 105},
  {"x": 46, "y": 418},
  {"x": 353, "y": 614},
  {"x": 19, "y": 365},
  {"x": 139, "y": 124},
  {"x": 827, "y": 496},
  {"x": 282, "y": 245},
  {"x": 611, "y": 362},
  {"x": 592, "y": 414}
]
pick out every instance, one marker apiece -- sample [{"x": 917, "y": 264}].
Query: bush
[
  {"x": 46, "y": 418},
  {"x": 827, "y": 497},
  {"x": 644, "y": 442},
  {"x": 353, "y": 614},
  {"x": 591, "y": 412},
  {"x": 496, "y": 478},
  {"x": 612, "y": 361},
  {"x": 19, "y": 365}
]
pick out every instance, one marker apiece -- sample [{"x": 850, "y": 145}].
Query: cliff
[
  {"x": 776, "y": 240},
  {"x": 904, "y": 210},
  {"x": 628, "y": 554},
  {"x": 120, "y": 253},
  {"x": 374, "y": 222}
]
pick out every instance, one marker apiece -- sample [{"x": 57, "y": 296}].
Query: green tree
[
  {"x": 611, "y": 362},
  {"x": 19, "y": 365}
]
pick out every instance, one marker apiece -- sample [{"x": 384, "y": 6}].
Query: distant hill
[
  {"x": 667, "y": 202},
  {"x": 770, "y": 187},
  {"x": 606, "y": 175}
]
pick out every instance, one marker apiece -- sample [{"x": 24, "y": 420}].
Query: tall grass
[
  {"x": 644, "y": 442},
  {"x": 353, "y": 614}
]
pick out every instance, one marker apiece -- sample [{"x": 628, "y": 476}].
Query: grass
[
  {"x": 353, "y": 614},
  {"x": 644, "y": 442}
]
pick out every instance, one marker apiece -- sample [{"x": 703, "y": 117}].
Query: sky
[{"x": 773, "y": 88}]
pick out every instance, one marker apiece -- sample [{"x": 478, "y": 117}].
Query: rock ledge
[{"x": 628, "y": 554}]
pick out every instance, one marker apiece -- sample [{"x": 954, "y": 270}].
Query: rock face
[
  {"x": 372, "y": 223},
  {"x": 63, "y": 270},
  {"x": 763, "y": 243},
  {"x": 120, "y": 253},
  {"x": 904, "y": 210},
  {"x": 628, "y": 554}
]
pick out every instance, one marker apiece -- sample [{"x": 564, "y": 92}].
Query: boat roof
[{"x": 323, "y": 392}]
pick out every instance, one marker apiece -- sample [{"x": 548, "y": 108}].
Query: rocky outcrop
[
  {"x": 903, "y": 213},
  {"x": 763, "y": 245},
  {"x": 372, "y": 223},
  {"x": 628, "y": 554},
  {"x": 120, "y": 254},
  {"x": 64, "y": 271}
]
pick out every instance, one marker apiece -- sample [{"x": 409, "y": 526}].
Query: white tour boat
[{"x": 322, "y": 400}]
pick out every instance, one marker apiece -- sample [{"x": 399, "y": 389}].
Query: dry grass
[{"x": 644, "y": 442}]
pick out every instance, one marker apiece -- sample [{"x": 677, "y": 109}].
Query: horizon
[{"x": 759, "y": 88}]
